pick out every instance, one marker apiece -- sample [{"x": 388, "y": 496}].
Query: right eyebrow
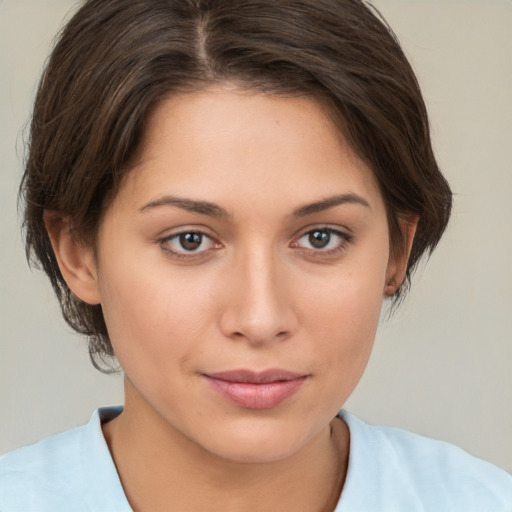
[
  {"x": 190, "y": 205},
  {"x": 330, "y": 202}
]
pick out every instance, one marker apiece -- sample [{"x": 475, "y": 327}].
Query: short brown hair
[{"x": 115, "y": 60}]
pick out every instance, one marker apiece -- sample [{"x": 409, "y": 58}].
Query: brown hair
[{"x": 115, "y": 60}]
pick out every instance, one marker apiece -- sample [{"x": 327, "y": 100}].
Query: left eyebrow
[
  {"x": 330, "y": 202},
  {"x": 190, "y": 205}
]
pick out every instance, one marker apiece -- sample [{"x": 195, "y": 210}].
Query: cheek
[
  {"x": 152, "y": 314},
  {"x": 343, "y": 315},
  {"x": 350, "y": 298},
  {"x": 345, "y": 328}
]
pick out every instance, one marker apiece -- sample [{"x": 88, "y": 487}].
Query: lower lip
[{"x": 256, "y": 396}]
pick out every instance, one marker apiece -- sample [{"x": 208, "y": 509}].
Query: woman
[{"x": 223, "y": 194}]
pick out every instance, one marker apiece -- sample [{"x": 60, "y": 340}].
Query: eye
[
  {"x": 324, "y": 240},
  {"x": 188, "y": 243}
]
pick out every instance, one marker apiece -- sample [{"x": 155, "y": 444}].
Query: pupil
[
  {"x": 319, "y": 239},
  {"x": 190, "y": 241}
]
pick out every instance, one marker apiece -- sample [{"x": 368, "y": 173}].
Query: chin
[
  {"x": 257, "y": 442},
  {"x": 257, "y": 452}
]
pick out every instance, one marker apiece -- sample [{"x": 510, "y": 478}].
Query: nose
[{"x": 258, "y": 305}]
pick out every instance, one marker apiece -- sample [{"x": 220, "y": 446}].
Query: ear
[
  {"x": 397, "y": 265},
  {"x": 75, "y": 258}
]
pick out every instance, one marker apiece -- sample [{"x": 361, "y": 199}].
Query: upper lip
[{"x": 256, "y": 377}]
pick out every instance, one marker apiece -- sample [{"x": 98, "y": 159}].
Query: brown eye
[
  {"x": 324, "y": 241},
  {"x": 319, "y": 239},
  {"x": 190, "y": 241}
]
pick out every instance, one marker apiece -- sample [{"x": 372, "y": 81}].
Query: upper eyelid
[
  {"x": 345, "y": 240},
  {"x": 341, "y": 230},
  {"x": 167, "y": 234},
  {"x": 165, "y": 244},
  {"x": 333, "y": 231},
  {"x": 174, "y": 236},
  {"x": 171, "y": 232}
]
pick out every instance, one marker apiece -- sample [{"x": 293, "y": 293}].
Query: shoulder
[
  {"x": 60, "y": 473},
  {"x": 40, "y": 473},
  {"x": 406, "y": 471}
]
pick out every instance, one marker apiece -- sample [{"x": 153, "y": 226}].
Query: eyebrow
[
  {"x": 214, "y": 210},
  {"x": 190, "y": 205},
  {"x": 330, "y": 202}
]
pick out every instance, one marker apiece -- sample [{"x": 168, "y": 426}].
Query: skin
[{"x": 256, "y": 294}]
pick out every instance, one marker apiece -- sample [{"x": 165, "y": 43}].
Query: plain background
[{"x": 442, "y": 366}]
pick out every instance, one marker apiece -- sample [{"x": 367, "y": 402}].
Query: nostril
[{"x": 282, "y": 335}]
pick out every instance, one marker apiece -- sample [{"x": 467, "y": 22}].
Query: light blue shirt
[{"x": 389, "y": 470}]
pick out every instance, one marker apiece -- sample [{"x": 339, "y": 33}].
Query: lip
[{"x": 256, "y": 390}]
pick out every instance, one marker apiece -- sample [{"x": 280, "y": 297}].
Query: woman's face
[{"x": 241, "y": 270}]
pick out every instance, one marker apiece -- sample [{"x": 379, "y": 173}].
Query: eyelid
[
  {"x": 343, "y": 231},
  {"x": 164, "y": 239},
  {"x": 346, "y": 238},
  {"x": 185, "y": 228}
]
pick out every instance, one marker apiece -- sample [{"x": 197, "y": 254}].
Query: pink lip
[{"x": 256, "y": 390}]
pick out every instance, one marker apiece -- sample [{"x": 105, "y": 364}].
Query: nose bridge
[{"x": 259, "y": 308}]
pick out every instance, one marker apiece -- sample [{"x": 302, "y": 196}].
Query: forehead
[{"x": 224, "y": 143}]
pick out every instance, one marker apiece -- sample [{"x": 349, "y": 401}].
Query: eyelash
[
  {"x": 344, "y": 240},
  {"x": 183, "y": 253}
]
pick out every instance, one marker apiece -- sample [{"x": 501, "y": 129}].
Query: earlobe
[
  {"x": 398, "y": 261},
  {"x": 75, "y": 258}
]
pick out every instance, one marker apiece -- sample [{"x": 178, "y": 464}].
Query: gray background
[{"x": 441, "y": 367}]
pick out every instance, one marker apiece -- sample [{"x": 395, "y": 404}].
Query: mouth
[{"x": 256, "y": 390}]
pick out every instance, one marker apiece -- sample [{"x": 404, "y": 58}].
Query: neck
[{"x": 158, "y": 465}]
